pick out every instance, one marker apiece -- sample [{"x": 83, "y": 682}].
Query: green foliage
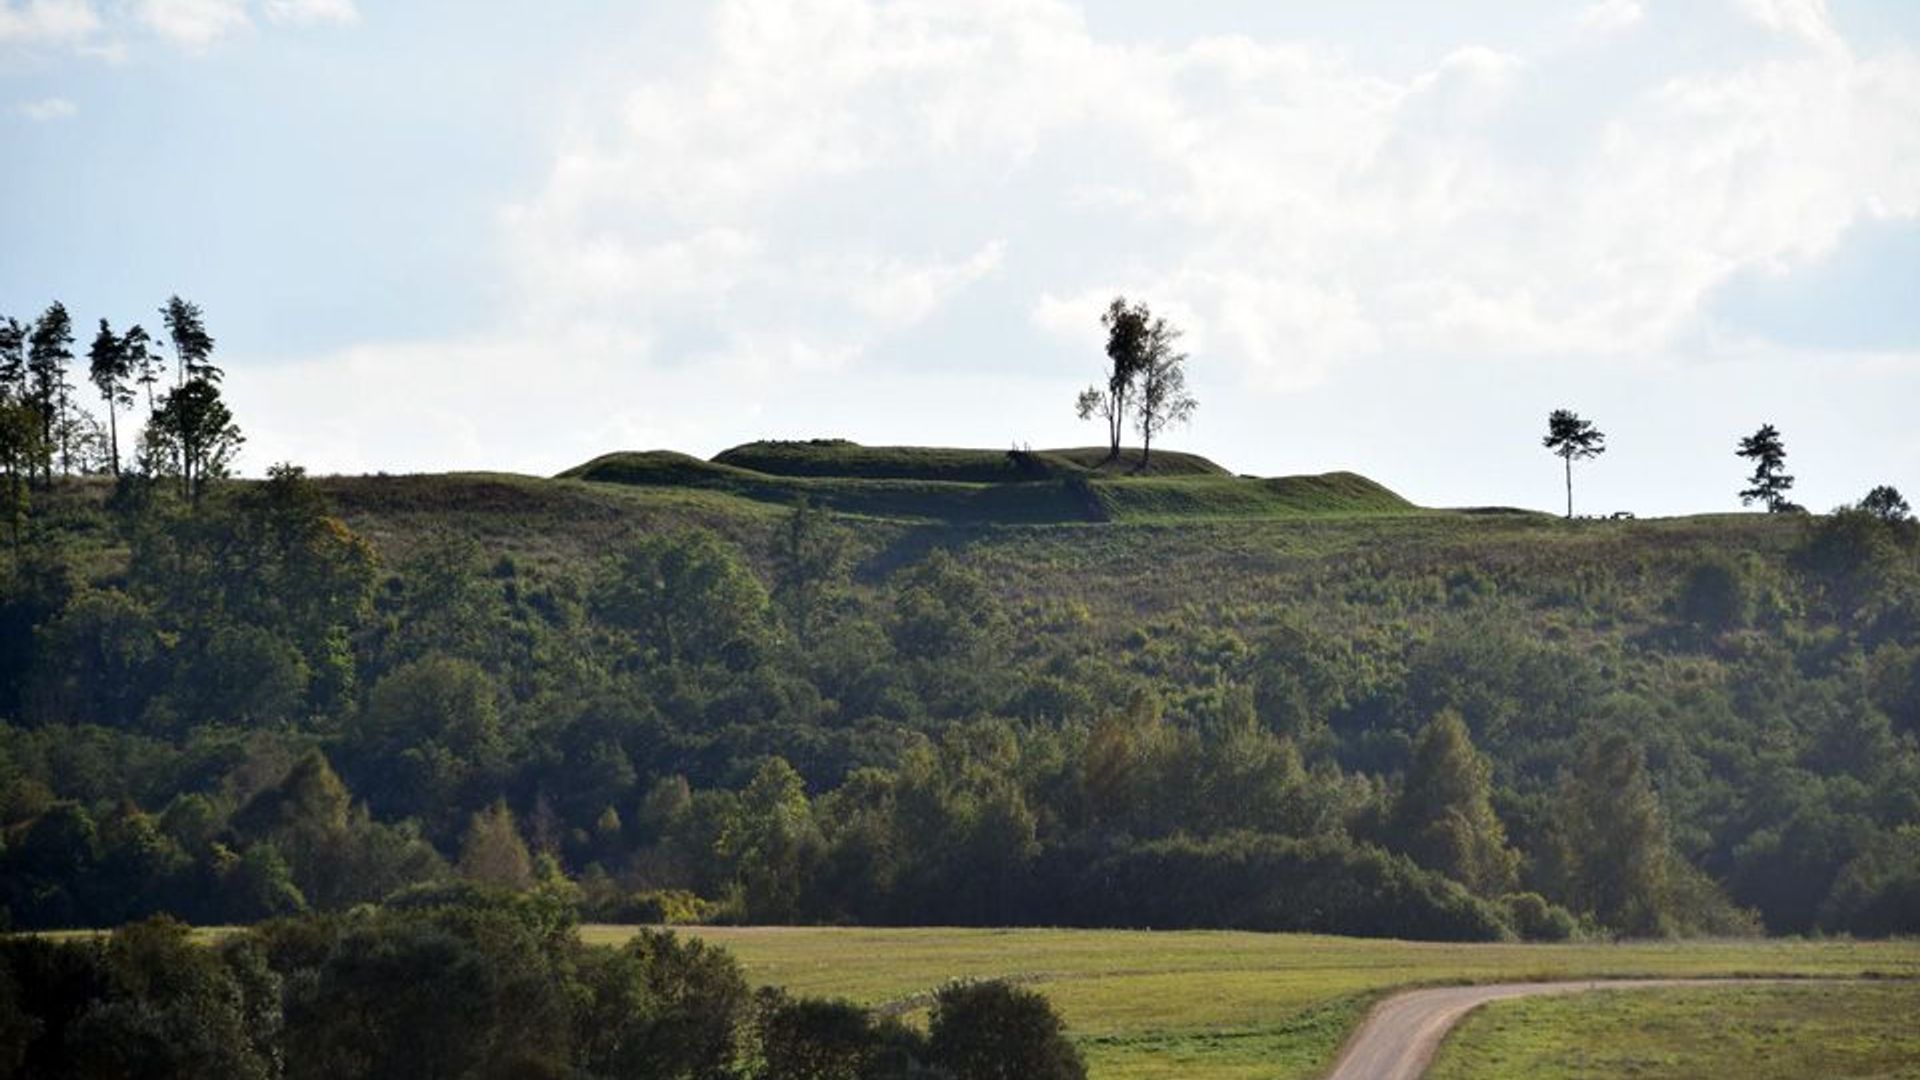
[
  {"x": 1445, "y": 816},
  {"x": 686, "y": 597},
  {"x": 996, "y": 1031},
  {"x": 1878, "y": 892},
  {"x": 827, "y": 719},
  {"x": 1249, "y": 881},
  {"x": 1714, "y": 596},
  {"x": 1534, "y": 918},
  {"x": 661, "y": 1006}
]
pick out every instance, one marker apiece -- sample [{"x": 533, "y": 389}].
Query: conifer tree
[
  {"x": 1770, "y": 482},
  {"x": 109, "y": 369},
  {"x": 49, "y": 351},
  {"x": 13, "y": 360},
  {"x": 192, "y": 345},
  {"x": 1445, "y": 816},
  {"x": 1570, "y": 437},
  {"x": 143, "y": 360}
]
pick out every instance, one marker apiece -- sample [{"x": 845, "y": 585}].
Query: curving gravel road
[{"x": 1398, "y": 1039}]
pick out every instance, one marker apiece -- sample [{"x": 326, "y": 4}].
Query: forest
[
  {"x": 1425, "y": 725},
  {"x": 802, "y": 696}
]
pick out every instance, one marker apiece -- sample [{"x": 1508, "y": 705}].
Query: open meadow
[
  {"x": 1226, "y": 1006},
  {"x": 1772, "y": 1032}
]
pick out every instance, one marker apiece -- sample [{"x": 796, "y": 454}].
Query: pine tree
[
  {"x": 49, "y": 351},
  {"x": 13, "y": 360},
  {"x": 143, "y": 360},
  {"x": 1570, "y": 437},
  {"x": 109, "y": 368},
  {"x": 192, "y": 345},
  {"x": 1770, "y": 482}
]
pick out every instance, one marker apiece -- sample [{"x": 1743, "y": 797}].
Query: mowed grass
[
  {"x": 1831, "y": 1031},
  {"x": 1223, "y": 1005}
]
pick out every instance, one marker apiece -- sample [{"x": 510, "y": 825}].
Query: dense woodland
[
  {"x": 462, "y": 982},
  {"x": 233, "y": 701}
]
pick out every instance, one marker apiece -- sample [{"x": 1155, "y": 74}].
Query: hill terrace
[{"x": 992, "y": 486}]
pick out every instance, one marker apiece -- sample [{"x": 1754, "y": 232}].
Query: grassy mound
[
  {"x": 1045, "y": 499},
  {"x": 990, "y": 486},
  {"x": 1162, "y": 463},
  {"x": 840, "y": 458},
  {"x": 1158, "y": 498}
]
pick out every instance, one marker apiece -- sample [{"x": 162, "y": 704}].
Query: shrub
[{"x": 997, "y": 1031}]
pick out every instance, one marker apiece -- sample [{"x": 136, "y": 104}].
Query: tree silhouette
[
  {"x": 49, "y": 350},
  {"x": 143, "y": 361},
  {"x": 192, "y": 345},
  {"x": 13, "y": 360},
  {"x": 194, "y": 428},
  {"x": 1164, "y": 400},
  {"x": 1770, "y": 481},
  {"x": 1886, "y": 503},
  {"x": 1128, "y": 328},
  {"x": 109, "y": 370},
  {"x": 1570, "y": 437}
]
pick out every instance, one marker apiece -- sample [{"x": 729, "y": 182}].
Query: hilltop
[{"x": 991, "y": 486}]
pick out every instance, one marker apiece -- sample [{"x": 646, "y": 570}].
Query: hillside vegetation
[
  {"x": 988, "y": 486},
  {"x": 706, "y": 701}
]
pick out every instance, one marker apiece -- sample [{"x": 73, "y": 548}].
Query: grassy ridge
[
  {"x": 1164, "y": 499},
  {"x": 990, "y": 487},
  {"x": 840, "y": 458},
  {"x": 1836, "y": 1032},
  {"x": 1221, "y": 1005}
]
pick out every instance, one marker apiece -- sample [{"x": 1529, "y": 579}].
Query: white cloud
[
  {"x": 1805, "y": 19},
  {"x": 1303, "y": 210},
  {"x": 193, "y": 24},
  {"x": 309, "y": 12},
  {"x": 46, "y": 109},
  {"x": 46, "y": 21},
  {"x": 783, "y": 210},
  {"x": 1611, "y": 16}
]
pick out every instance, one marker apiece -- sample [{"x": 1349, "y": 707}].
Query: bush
[
  {"x": 1254, "y": 881},
  {"x": 1714, "y": 596},
  {"x": 997, "y": 1031},
  {"x": 1535, "y": 919}
]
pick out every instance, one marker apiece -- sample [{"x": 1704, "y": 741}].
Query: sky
[{"x": 472, "y": 235}]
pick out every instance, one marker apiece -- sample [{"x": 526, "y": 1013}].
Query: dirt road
[{"x": 1398, "y": 1038}]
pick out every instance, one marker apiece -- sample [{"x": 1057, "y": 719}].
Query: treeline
[
  {"x": 467, "y": 985},
  {"x": 237, "y": 710},
  {"x": 187, "y": 433}
]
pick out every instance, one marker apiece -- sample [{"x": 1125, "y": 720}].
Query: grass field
[
  {"x": 1227, "y": 1006},
  {"x": 1831, "y": 1031}
]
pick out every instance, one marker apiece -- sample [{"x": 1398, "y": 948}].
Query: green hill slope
[{"x": 988, "y": 486}]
